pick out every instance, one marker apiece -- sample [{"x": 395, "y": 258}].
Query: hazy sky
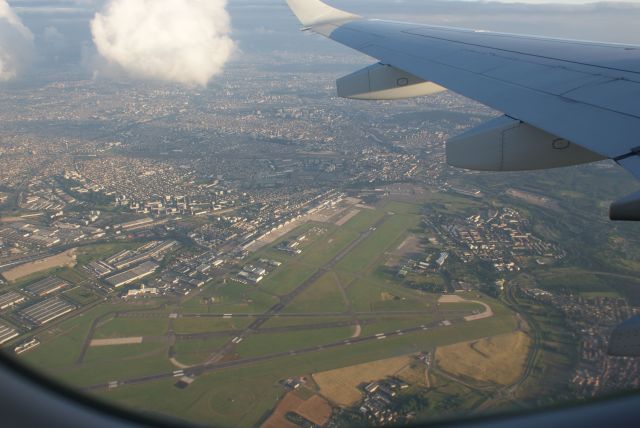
[{"x": 62, "y": 30}]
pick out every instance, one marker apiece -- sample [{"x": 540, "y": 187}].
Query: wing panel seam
[
  {"x": 521, "y": 53},
  {"x": 504, "y": 82}
]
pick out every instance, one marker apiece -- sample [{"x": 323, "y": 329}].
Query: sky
[{"x": 191, "y": 41}]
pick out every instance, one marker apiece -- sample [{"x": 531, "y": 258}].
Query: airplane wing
[{"x": 565, "y": 101}]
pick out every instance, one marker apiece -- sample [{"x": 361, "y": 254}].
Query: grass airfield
[{"x": 339, "y": 299}]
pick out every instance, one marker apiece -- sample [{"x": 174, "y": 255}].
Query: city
[{"x": 261, "y": 253}]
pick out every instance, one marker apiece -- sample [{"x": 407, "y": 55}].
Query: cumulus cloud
[
  {"x": 16, "y": 43},
  {"x": 185, "y": 41}
]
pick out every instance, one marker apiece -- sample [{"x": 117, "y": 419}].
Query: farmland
[{"x": 498, "y": 359}]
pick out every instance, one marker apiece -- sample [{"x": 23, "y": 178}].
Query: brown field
[
  {"x": 315, "y": 409},
  {"x": 341, "y": 385},
  {"x": 498, "y": 359},
  {"x": 414, "y": 374},
  {"x": 66, "y": 259}
]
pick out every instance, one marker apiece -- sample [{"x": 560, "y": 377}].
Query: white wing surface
[{"x": 565, "y": 101}]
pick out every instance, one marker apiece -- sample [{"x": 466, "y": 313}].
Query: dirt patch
[
  {"x": 66, "y": 259},
  {"x": 534, "y": 199},
  {"x": 315, "y": 409},
  {"x": 366, "y": 207},
  {"x": 348, "y": 216},
  {"x": 341, "y": 385},
  {"x": 411, "y": 245},
  {"x": 386, "y": 296},
  {"x": 498, "y": 359},
  {"x": 357, "y": 331},
  {"x": 116, "y": 341}
]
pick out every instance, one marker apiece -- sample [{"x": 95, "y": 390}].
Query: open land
[
  {"x": 65, "y": 259},
  {"x": 324, "y": 296},
  {"x": 341, "y": 385},
  {"x": 498, "y": 359}
]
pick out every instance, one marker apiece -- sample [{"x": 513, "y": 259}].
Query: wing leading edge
[{"x": 565, "y": 101}]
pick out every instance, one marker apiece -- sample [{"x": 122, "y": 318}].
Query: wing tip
[{"x": 314, "y": 12}]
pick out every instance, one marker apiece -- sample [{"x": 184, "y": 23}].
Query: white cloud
[
  {"x": 185, "y": 41},
  {"x": 16, "y": 43}
]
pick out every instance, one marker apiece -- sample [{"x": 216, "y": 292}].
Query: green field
[
  {"x": 242, "y": 396},
  {"x": 232, "y": 297},
  {"x": 109, "y": 354},
  {"x": 389, "y": 324},
  {"x": 371, "y": 294},
  {"x": 197, "y": 351},
  {"x": 131, "y": 327},
  {"x": 576, "y": 280},
  {"x": 205, "y": 324},
  {"x": 287, "y": 277},
  {"x": 391, "y": 232},
  {"x": 61, "y": 346},
  {"x": 323, "y": 296},
  {"x": 271, "y": 343},
  {"x": 350, "y": 286},
  {"x": 277, "y": 322}
]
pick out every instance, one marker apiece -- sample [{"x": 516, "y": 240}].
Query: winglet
[{"x": 315, "y": 12}]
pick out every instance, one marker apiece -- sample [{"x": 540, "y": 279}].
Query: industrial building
[
  {"x": 132, "y": 275},
  {"x": 47, "y": 310},
  {"x": 7, "y": 333},
  {"x": 135, "y": 224},
  {"x": 100, "y": 268},
  {"x": 46, "y": 286},
  {"x": 148, "y": 251},
  {"x": 11, "y": 299},
  {"x": 25, "y": 346},
  {"x": 142, "y": 291}
]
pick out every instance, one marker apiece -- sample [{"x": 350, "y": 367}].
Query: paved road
[
  {"x": 303, "y": 327},
  {"x": 304, "y": 314}
]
